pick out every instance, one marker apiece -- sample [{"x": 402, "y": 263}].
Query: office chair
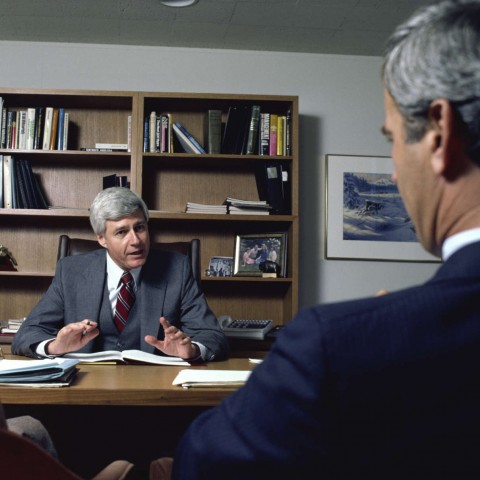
[
  {"x": 23, "y": 459},
  {"x": 73, "y": 246}
]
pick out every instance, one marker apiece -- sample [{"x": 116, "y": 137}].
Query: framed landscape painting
[{"x": 365, "y": 214}]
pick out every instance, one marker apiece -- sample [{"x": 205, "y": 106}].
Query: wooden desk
[
  {"x": 130, "y": 412},
  {"x": 127, "y": 385}
]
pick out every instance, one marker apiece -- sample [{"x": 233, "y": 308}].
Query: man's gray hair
[
  {"x": 436, "y": 54},
  {"x": 112, "y": 204}
]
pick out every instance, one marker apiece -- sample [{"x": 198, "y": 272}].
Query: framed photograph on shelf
[
  {"x": 220, "y": 267},
  {"x": 365, "y": 215},
  {"x": 261, "y": 255}
]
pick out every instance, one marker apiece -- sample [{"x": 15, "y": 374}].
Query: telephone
[{"x": 256, "y": 329}]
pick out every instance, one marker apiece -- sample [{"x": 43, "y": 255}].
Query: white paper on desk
[
  {"x": 20, "y": 366},
  {"x": 211, "y": 378}
]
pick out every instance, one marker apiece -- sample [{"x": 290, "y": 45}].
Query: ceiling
[{"x": 342, "y": 27}]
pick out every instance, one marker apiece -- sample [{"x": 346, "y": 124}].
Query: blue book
[{"x": 190, "y": 137}]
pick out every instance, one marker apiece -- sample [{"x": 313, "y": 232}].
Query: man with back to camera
[
  {"x": 386, "y": 387},
  {"x": 77, "y": 312}
]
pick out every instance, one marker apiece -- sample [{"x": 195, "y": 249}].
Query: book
[
  {"x": 127, "y": 356},
  {"x": 1, "y": 181},
  {"x": 253, "y": 132},
  {"x": 66, "y": 123},
  {"x": 7, "y": 182},
  {"x": 113, "y": 146},
  {"x": 33, "y": 371},
  {"x": 264, "y": 134},
  {"x": 185, "y": 141},
  {"x": 213, "y": 131},
  {"x": 190, "y": 137},
  {"x": 270, "y": 185},
  {"x": 13, "y": 175},
  {"x": 188, "y": 378},
  {"x": 230, "y": 133},
  {"x": 61, "y": 126},
  {"x": 152, "y": 132},
  {"x": 53, "y": 135},
  {"x": 22, "y": 198},
  {"x": 39, "y": 200},
  {"x": 281, "y": 122},
  {"x": 47, "y": 130},
  {"x": 22, "y": 130},
  {"x": 273, "y": 134},
  {"x": 39, "y": 126},
  {"x": 30, "y": 129}
]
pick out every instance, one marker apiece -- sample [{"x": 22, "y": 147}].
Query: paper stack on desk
[
  {"x": 47, "y": 372},
  {"x": 211, "y": 378}
]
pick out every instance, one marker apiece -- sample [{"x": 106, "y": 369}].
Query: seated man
[
  {"x": 89, "y": 307},
  {"x": 385, "y": 387}
]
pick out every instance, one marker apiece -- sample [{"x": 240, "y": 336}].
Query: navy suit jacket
[
  {"x": 378, "y": 388},
  {"x": 167, "y": 287}
]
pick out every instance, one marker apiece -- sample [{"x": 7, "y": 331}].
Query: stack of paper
[
  {"x": 47, "y": 373},
  {"x": 211, "y": 378},
  {"x": 205, "y": 208},
  {"x": 237, "y": 206}
]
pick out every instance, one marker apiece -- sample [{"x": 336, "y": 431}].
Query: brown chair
[
  {"x": 73, "y": 246},
  {"x": 23, "y": 459}
]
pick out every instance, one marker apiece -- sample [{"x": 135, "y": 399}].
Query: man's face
[
  {"x": 127, "y": 240},
  {"x": 413, "y": 174}
]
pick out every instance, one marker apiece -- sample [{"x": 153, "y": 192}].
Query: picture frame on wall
[
  {"x": 261, "y": 254},
  {"x": 365, "y": 216}
]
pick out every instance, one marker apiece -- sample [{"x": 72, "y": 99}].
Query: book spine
[
  {"x": 281, "y": 135},
  {"x": 164, "y": 144},
  {"x": 53, "y": 137},
  {"x": 4, "y": 127},
  {"x": 129, "y": 133},
  {"x": 66, "y": 123},
  {"x": 158, "y": 134},
  {"x": 61, "y": 126},
  {"x": 253, "y": 130},
  {"x": 187, "y": 145},
  {"x": 288, "y": 133},
  {"x": 273, "y": 134},
  {"x": 213, "y": 131},
  {"x": 265, "y": 133},
  {"x": 7, "y": 182},
  {"x": 192, "y": 139},
  {"x": 30, "y": 130},
  {"x": 153, "y": 131},
  {"x": 146, "y": 135},
  {"x": 47, "y": 131},
  {"x": 22, "y": 131},
  {"x": 39, "y": 126}
]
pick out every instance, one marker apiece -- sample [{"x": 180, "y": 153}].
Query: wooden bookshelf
[{"x": 166, "y": 181}]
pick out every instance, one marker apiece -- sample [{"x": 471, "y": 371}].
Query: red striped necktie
[{"x": 125, "y": 301}]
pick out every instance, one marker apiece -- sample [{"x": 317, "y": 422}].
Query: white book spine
[
  {"x": 66, "y": 120},
  {"x": 47, "y": 132},
  {"x": 30, "y": 129}
]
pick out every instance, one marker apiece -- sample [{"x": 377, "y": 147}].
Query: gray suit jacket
[{"x": 166, "y": 287}]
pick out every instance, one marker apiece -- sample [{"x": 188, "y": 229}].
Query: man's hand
[
  {"x": 175, "y": 343},
  {"x": 72, "y": 337}
]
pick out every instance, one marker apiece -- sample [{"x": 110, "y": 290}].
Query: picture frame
[
  {"x": 365, "y": 216},
  {"x": 253, "y": 250},
  {"x": 220, "y": 267}
]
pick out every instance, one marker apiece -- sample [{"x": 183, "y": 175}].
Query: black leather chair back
[{"x": 73, "y": 246}]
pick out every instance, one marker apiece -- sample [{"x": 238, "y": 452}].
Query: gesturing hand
[
  {"x": 175, "y": 343},
  {"x": 72, "y": 337}
]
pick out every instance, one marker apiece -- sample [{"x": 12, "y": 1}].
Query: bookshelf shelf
[{"x": 167, "y": 181}]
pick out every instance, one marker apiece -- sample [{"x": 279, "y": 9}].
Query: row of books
[
  {"x": 247, "y": 131},
  {"x": 163, "y": 135},
  {"x": 9, "y": 328},
  {"x": 36, "y": 128},
  {"x": 19, "y": 186}
]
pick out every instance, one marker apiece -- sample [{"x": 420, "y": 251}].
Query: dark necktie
[{"x": 125, "y": 301}]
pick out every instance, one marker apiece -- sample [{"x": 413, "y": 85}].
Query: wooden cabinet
[{"x": 166, "y": 181}]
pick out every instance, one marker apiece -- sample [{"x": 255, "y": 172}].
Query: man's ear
[
  {"x": 445, "y": 138},
  {"x": 101, "y": 241}
]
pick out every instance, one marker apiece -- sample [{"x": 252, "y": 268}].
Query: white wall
[{"x": 341, "y": 112}]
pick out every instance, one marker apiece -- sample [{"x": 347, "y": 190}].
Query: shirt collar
[
  {"x": 114, "y": 273},
  {"x": 459, "y": 240}
]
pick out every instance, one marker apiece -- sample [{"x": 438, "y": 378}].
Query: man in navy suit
[
  {"x": 170, "y": 313},
  {"x": 386, "y": 387}
]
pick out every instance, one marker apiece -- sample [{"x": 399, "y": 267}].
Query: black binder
[{"x": 273, "y": 185}]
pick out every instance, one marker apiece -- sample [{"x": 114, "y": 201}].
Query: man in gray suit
[{"x": 170, "y": 314}]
